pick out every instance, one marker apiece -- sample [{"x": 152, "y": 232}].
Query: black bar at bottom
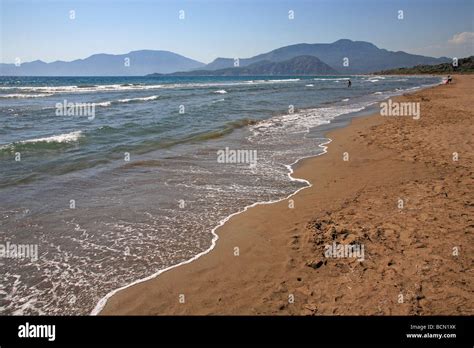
[{"x": 193, "y": 330}]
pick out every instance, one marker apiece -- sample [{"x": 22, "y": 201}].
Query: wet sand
[{"x": 400, "y": 194}]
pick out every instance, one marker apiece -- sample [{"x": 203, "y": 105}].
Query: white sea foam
[
  {"x": 309, "y": 85},
  {"x": 106, "y": 103},
  {"x": 61, "y": 138},
  {"x": 110, "y": 102},
  {"x": 128, "y": 100},
  {"x": 24, "y": 96},
  {"x": 119, "y": 87},
  {"x": 330, "y": 79},
  {"x": 284, "y": 80},
  {"x": 79, "y": 89},
  {"x": 301, "y": 121},
  {"x": 221, "y": 91}
]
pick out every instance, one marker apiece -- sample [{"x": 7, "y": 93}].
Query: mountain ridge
[
  {"x": 301, "y": 65},
  {"x": 142, "y": 62},
  {"x": 362, "y": 57}
]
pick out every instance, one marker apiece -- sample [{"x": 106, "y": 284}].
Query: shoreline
[
  {"x": 215, "y": 237},
  {"x": 103, "y": 301},
  {"x": 115, "y": 302}
]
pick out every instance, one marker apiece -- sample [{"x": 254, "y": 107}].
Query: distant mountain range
[
  {"x": 360, "y": 58},
  {"x": 301, "y": 65},
  {"x": 139, "y": 63},
  {"x": 363, "y": 57}
]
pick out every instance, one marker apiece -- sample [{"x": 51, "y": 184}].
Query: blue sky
[{"x": 33, "y": 29}]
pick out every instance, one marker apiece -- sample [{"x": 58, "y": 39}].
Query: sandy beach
[{"x": 400, "y": 187}]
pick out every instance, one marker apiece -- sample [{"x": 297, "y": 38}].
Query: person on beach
[
  {"x": 349, "y": 83},
  {"x": 450, "y": 79}
]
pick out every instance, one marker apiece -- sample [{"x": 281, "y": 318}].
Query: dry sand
[{"x": 418, "y": 258}]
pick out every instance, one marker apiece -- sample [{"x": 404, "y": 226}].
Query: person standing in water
[{"x": 349, "y": 83}]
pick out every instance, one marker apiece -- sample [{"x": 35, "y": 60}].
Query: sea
[{"x": 107, "y": 181}]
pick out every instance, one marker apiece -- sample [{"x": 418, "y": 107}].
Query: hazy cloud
[
  {"x": 462, "y": 38},
  {"x": 460, "y": 45}
]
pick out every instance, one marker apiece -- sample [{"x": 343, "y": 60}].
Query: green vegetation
[{"x": 465, "y": 65}]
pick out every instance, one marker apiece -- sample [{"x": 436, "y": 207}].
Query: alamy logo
[
  {"x": 391, "y": 108},
  {"x": 335, "y": 250},
  {"x": 37, "y": 331},
  {"x": 76, "y": 109},
  {"x": 237, "y": 156},
  {"x": 19, "y": 251}
]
